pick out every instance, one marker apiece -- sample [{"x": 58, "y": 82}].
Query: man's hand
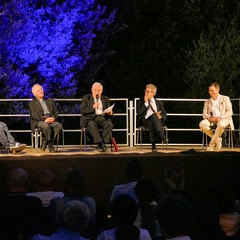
[
  {"x": 214, "y": 119},
  {"x": 49, "y": 120},
  {"x": 159, "y": 115}
]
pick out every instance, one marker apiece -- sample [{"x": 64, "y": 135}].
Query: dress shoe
[
  {"x": 44, "y": 145},
  {"x": 104, "y": 148},
  {"x": 51, "y": 147},
  {"x": 99, "y": 148},
  {"x": 154, "y": 149}
]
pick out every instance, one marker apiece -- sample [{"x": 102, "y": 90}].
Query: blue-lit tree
[{"x": 48, "y": 42}]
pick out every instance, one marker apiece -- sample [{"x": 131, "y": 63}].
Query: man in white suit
[{"x": 217, "y": 114}]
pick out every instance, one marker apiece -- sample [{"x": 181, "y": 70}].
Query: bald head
[{"x": 18, "y": 180}]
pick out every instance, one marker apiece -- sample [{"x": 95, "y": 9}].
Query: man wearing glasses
[
  {"x": 217, "y": 115},
  {"x": 151, "y": 114}
]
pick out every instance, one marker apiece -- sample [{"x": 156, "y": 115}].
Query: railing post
[{"x": 131, "y": 120}]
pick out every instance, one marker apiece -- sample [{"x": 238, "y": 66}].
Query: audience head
[
  {"x": 75, "y": 216},
  {"x": 18, "y": 180},
  {"x": 45, "y": 180},
  {"x": 206, "y": 218},
  {"x": 223, "y": 196},
  {"x": 75, "y": 182},
  {"x": 174, "y": 177},
  {"x": 124, "y": 212},
  {"x": 146, "y": 190},
  {"x": 174, "y": 214},
  {"x": 134, "y": 170}
]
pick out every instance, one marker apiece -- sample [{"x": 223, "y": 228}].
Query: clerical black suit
[
  {"x": 92, "y": 121},
  {"x": 152, "y": 123}
]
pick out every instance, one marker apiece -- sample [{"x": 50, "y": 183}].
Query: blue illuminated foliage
[{"x": 47, "y": 42}]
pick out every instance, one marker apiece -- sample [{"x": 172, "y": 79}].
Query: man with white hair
[
  {"x": 95, "y": 115},
  {"x": 44, "y": 115}
]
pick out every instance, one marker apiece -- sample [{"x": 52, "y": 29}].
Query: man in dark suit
[
  {"x": 151, "y": 114},
  {"x": 95, "y": 115},
  {"x": 44, "y": 114}
]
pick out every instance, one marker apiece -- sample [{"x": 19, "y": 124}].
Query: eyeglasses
[{"x": 147, "y": 91}]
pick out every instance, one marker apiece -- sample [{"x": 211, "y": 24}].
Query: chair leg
[
  {"x": 63, "y": 141},
  {"x": 57, "y": 141},
  {"x": 140, "y": 133}
]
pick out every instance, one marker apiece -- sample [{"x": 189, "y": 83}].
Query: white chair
[{"x": 37, "y": 138}]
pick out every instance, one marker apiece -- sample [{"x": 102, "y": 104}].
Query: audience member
[
  {"x": 175, "y": 217},
  {"x": 175, "y": 179},
  {"x": 8, "y": 141},
  {"x": 21, "y": 216},
  {"x": 225, "y": 199},
  {"x": 44, "y": 115},
  {"x": 45, "y": 184},
  {"x": 206, "y": 219},
  {"x": 146, "y": 192},
  {"x": 133, "y": 172},
  {"x": 96, "y": 114},
  {"x": 124, "y": 212},
  {"x": 73, "y": 221},
  {"x": 73, "y": 190}
]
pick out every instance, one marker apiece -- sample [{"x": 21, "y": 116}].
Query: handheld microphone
[
  {"x": 97, "y": 97},
  {"x": 211, "y": 114}
]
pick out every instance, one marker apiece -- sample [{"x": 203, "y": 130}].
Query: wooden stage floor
[
  {"x": 70, "y": 151},
  {"x": 104, "y": 170}
]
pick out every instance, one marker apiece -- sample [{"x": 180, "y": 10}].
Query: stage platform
[{"x": 104, "y": 170}]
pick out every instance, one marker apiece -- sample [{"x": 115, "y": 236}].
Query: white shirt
[
  {"x": 99, "y": 110},
  {"x": 150, "y": 112},
  {"x": 216, "y": 107}
]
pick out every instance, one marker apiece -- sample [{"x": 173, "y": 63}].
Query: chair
[
  {"x": 83, "y": 138},
  {"x": 227, "y": 131},
  {"x": 140, "y": 130},
  {"x": 37, "y": 137}
]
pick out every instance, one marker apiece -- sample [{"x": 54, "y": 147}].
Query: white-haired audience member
[
  {"x": 73, "y": 221},
  {"x": 45, "y": 185}
]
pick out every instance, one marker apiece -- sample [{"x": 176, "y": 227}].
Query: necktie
[{"x": 150, "y": 105}]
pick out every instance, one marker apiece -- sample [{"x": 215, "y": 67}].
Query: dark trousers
[
  {"x": 100, "y": 122},
  {"x": 47, "y": 129},
  {"x": 155, "y": 127}
]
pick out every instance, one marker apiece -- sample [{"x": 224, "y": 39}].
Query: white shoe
[
  {"x": 211, "y": 147},
  {"x": 219, "y": 143}
]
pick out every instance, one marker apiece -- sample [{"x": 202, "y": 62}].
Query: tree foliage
[{"x": 48, "y": 42}]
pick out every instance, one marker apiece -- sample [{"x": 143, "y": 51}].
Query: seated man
[
  {"x": 8, "y": 141},
  {"x": 94, "y": 116},
  {"x": 151, "y": 114},
  {"x": 217, "y": 113},
  {"x": 44, "y": 114}
]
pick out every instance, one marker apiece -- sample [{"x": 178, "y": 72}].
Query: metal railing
[{"x": 184, "y": 121}]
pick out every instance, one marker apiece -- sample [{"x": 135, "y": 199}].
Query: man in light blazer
[
  {"x": 151, "y": 114},
  {"x": 43, "y": 113},
  {"x": 217, "y": 114},
  {"x": 94, "y": 115}
]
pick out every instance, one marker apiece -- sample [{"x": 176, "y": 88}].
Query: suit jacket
[
  {"x": 37, "y": 113},
  {"x": 142, "y": 110},
  {"x": 87, "y": 110},
  {"x": 225, "y": 109}
]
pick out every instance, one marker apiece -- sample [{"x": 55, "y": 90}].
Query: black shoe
[
  {"x": 99, "y": 148},
  {"x": 154, "y": 149},
  {"x": 104, "y": 148},
  {"x": 51, "y": 147},
  {"x": 44, "y": 145}
]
